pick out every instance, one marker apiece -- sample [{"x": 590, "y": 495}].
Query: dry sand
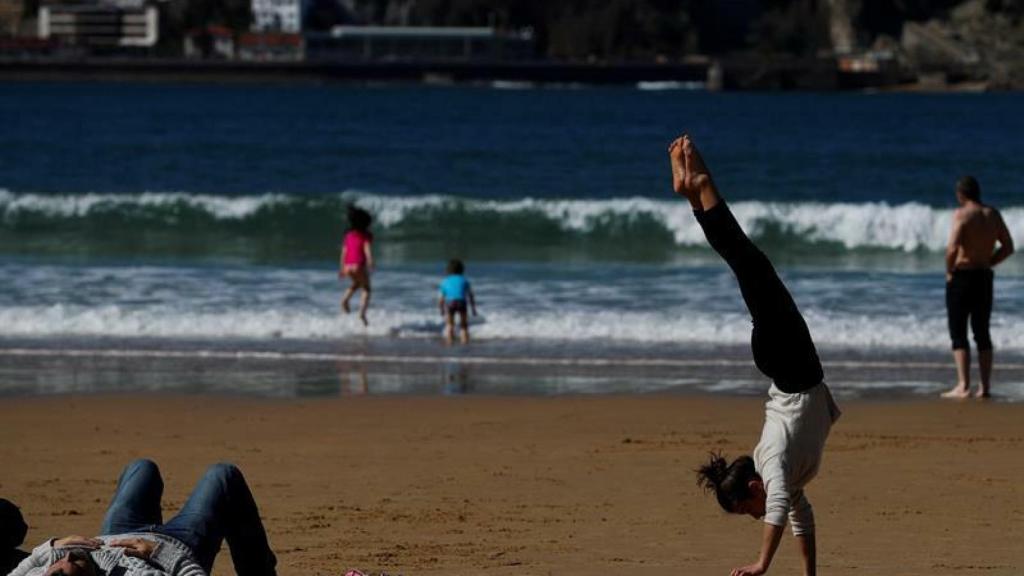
[{"x": 562, "y": 485}]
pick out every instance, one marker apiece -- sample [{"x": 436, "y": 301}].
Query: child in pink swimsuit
[{"x": 357, "y": 259}]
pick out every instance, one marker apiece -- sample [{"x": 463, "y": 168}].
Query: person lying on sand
[
  {"x": 134, "y": 540},
  {"x": 800, "y": 410},
  {"x": 12, "y": 534}
]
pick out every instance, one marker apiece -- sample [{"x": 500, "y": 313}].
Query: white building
[
  {"x": 127, "y": 23},
  {"x": 277, "y": 16}
]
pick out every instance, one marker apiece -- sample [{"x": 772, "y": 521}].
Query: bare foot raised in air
[
  {"x": 957, "y": 392},
  {"x": 690, "y": 176},
  {"x": 675, "y": 156}
]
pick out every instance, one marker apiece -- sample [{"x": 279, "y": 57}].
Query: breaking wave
[{"x": 908, "y": 227}]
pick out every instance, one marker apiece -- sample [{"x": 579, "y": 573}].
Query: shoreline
[
  {"x": 427, "y": 72},
  {"x": 573, "y": 485},
  {"x": 426, "y": 367},
  {"x": 736, "y": 74}
]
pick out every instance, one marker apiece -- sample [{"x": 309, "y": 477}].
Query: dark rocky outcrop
[
  {"x": 979, "y": 41},
  {"x": 952, "y": 40}
]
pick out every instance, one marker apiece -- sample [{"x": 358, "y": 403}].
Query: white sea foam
[
  {"x": 839, "y": 330},
  {"x": 513, "y": 85},
  {"x": 79, "y": 205},
  {"x": 658, "y": 85},
  {"x": 905, "y": 227}
]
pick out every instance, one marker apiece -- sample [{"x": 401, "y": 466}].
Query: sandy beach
[{"x": 558, "y": 485}]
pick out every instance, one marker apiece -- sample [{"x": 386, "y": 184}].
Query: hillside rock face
[
  {"x": 841, "y": 15},
  {"x": 971, "y": 43},
  {"x": 10, "y": 17},
  {"x": 977, "y": 40},
  {"x": 949, "y": 40}
]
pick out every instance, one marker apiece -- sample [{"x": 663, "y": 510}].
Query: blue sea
[{"x": 191, "y": 222}]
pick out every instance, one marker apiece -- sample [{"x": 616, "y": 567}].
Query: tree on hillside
[
  {"x": 575, "y": 28},
  {"x": 177, "y": 17},
  {"x": 1014, "y": 8},
  {"x": 886, "y": 17},
  {"x": 621, "y": 29},
  {"x": 724, "y": 27},
  {"x": 795, "y": 27},
  {"x": 322, "y": 15}
]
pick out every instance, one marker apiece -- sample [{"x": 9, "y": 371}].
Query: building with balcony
[
  {"x": 283, "y": 16},
  {"x": 100, "y": 25}
]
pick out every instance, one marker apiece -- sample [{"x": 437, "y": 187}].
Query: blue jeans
[{"x": 220, "y": 508}]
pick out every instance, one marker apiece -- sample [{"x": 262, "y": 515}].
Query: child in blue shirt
[{"x": 455, "y": 293}]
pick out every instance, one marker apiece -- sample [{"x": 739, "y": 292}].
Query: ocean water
[{"x": 207, "y": 219}]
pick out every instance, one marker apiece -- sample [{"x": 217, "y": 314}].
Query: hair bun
[{"x": 711, "y": 475}]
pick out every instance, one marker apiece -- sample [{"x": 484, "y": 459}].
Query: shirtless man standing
[{"x": 970, "y": 257}]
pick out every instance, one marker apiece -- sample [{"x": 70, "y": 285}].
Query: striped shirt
[{"x": 171, "y": 558}]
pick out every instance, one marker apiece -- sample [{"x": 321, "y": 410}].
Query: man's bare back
[
  {"x": 970, "y": 256},
  {"x": 976, "y": 229}
]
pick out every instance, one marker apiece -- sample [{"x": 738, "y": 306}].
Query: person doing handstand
[{"x": 800, "y": 410}]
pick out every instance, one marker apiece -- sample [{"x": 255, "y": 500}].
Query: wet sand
[
  {"x": 553, "y": 485},
  {"x": 308, "y": 369}
]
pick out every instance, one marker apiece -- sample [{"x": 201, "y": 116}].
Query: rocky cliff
[{"x": 977, "y": 40}]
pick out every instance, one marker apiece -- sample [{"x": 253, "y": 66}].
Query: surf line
[{"x": 473, "y": 360}]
